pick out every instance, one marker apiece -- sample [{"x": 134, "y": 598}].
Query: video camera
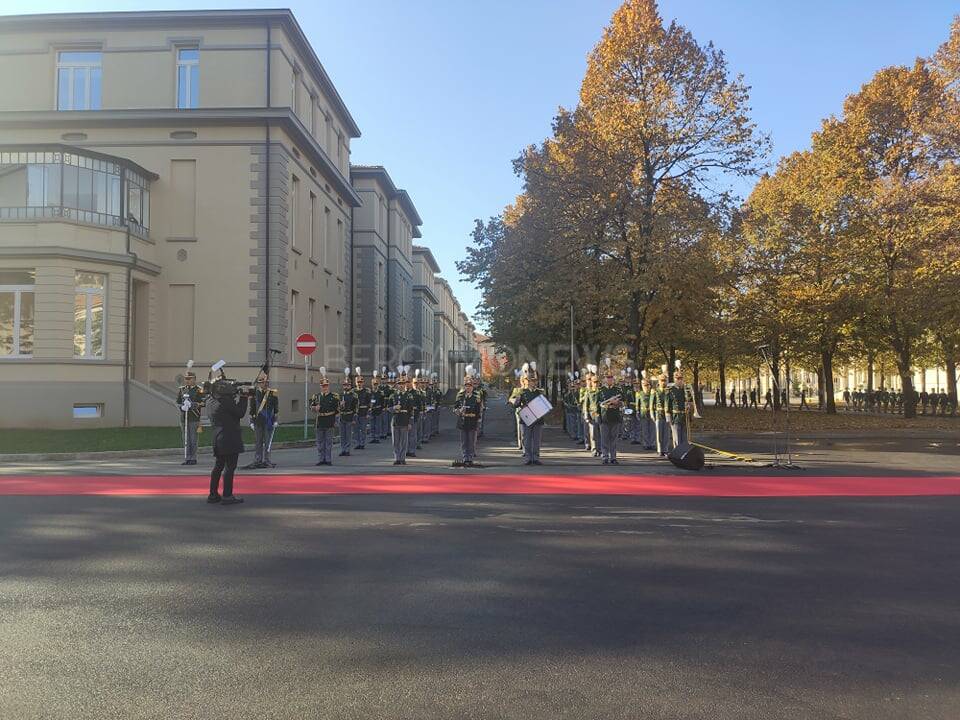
[{"x": 223, "y": 386}]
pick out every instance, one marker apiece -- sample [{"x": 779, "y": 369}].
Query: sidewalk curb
[{"x": 121, "y": 454}]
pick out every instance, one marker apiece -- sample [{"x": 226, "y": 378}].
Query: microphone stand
[{"x": 778, "y": 462}]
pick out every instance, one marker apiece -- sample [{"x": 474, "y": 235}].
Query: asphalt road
[{"x": 440, "y": 606}]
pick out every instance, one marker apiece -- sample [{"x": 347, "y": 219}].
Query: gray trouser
[
  {"x": 663, "y": 435},
  {"x": 531, "y": 441},
  {"x": 376, "y": 422},
  {"x": 648, "y": 430},
  {"x": 597, "y": 437},
  {"x": 360, "y": 430},
  {"x": 520, "y": 434},
  {"x": 678, "y": 427},
  {"x": 325, "y": 444},
  {"x": 468, "y": 444},
  {"x": 401, "y": 434},
  {"x": 585, "y": 433},
  {"x": 262, "y": 438},
  {"x": 190, "y": 446},
  {"x": 346, "y": 435},
  {"x": 609, "y": 434}
]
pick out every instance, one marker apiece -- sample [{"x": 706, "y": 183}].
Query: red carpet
[{"x": 787, "y": 485}]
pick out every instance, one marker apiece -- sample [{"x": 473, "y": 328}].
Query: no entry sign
[{"x": 306, "y": 344}]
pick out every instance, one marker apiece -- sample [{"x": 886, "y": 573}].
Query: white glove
[{"x": 185, "y": 405}]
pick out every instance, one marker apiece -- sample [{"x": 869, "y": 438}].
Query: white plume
[
  {"x": 516, "y": 372},
  {"x": 533, "y": 365},
  {"x": 399, "y": 370},
  {"x": 384, "y": 369},
  {"x": 346, "y": 372},
  {"x": 375, "y": 373},
  {"x": 189, "y": 364},
  {"x": 676, "y": 363},
  {"x": 663, "y": 368},
  {"x": 643, "y": 373},
  {"x": 357, "y": 370},
  {"x": 606, "y": 360},
  {"x": 468, "y": 370},
  {"x": 526, "y": 367},
  {"x": 417, "y": 372},
  {"x": 576, "y": 374},
  {"x": 323, "y": 370}
]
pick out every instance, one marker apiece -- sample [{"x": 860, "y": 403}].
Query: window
[
  {"x": 78, "y": 80},
  {"x": 337, "y": 257},
  {"x": 138, "y": 199},
  {"x": 327, "y": 241},
  {"x": 294, "y": 297},
  {"x": 294, "y": 195},
  {"x": 16, "y": 313},
  {"x": 188, "y": 77},
  {"x": 88, "y": 320},
  {"x": 88, "y": 412},
  {"x": 313, "y": 226},
  {"x": 294, "y": 90}
]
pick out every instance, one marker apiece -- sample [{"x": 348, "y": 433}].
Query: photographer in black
[{"x": 227, "y": 406}]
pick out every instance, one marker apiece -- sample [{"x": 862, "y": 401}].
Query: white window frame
[
  {"x": 89, "y": 294},
  {"x": 73, "y": 66},
  {"x": 17, "y": 290},
  {"x": 188, "y": 64}
]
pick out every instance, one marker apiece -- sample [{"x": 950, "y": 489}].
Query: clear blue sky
[{"x": 447, "y": 92}]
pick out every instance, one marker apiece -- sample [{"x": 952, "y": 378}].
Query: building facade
[{"x": 174, "y": 186}]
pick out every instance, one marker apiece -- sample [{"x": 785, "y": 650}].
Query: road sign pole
[{"x": 306, "y": 382}]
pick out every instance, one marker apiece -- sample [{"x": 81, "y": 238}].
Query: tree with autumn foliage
[{"x": 620, "y": 203}]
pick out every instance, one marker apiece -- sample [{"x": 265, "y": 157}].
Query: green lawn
[{"x": 137, "y": 438}]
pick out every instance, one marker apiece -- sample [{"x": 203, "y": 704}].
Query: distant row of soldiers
[
  {"x": 648, "y": 411},
  {"x": 397, "y": 405},
  {"x": 892, "y": 401}
]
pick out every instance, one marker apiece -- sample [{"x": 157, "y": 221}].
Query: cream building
[{"x": 173, "y": 186}]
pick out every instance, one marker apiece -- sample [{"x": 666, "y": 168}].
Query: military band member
[
  {"x": 467, "y": 407},
  {"x": 512, "y": 400},
  {"x": 326, "y": 405},
  {"x": 376, "y": 408},
  {"x": 648, "y": 426},
  {"x": 402, "y": 415},
  {"x": 362, "y": 423},
  {"x": 348, "y": 413},
  {"x": 531, "y": 433},
  {"x": 263, "y": 407},
  {"x": 677, "y": 407},
  {"x": 416, "y": 395},
  {"x": 190, "y": 399},
  {"x": 610, "y": 404},
  {"x": 658, "y": 414},
  {"x": 588, "y": 398},
  {"x": 388, "y": 391}
]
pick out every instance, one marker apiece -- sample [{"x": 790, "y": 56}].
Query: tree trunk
[
  {"x": 696, "y": 381},
  {"x": 950, "y": 362},
  {"x": 826, "y": 359},
  {"x": 671, "y": 362},
  {"x": 820, "y": 388},
  {"x": 869, "y": 372},
  {"x": 906, "y": 379},
  {"x": 721, "y": 400},
  {"x": 775, "y": 370}
]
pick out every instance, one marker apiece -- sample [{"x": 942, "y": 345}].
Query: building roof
[
  {"x": 379, "y": 172},
  {"x": 191, "y": 18},
  {"x": 428, "y": 256}
]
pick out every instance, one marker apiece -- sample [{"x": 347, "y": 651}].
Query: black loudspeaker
[{"x": 687, "y": 457}]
